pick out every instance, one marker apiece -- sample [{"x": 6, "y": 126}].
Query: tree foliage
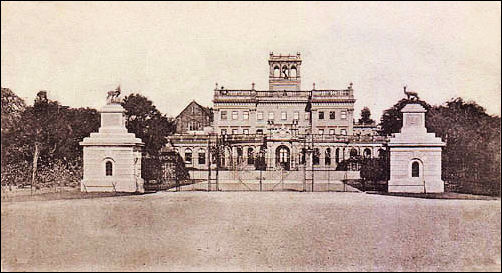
[
  {"x": 375, "y": 169},
  {"x": 471, "y": 158},
  {"x": 144, "y": 120},
  {"x": 366, "y": 116},
  {"x": 46, "y": 136},
  {"x": 392, "y": 118},
  {"x": 148, "y": 123},
  {"x": 12, "y": 107}
]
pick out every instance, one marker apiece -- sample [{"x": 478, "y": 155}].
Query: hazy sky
[{"x": 175, "y": 52}]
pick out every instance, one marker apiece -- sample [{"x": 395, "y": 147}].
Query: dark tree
[
  {"x": 146, "y": 122},
  {"x": 366, "y": 116},
  {"x": 392, "y": 118},
  {"x": 46, "y": 138},
  {"x": 471, "y": 158},
  {"x": 81, "y": 122},
  {"x": 12, "y": 109},
  {"x": 374, "y": 170},
  {"x": 39, "y": 136}
]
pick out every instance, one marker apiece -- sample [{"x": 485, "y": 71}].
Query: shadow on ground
[{"x": 445, "y": 195}]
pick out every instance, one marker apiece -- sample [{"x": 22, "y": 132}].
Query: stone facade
[
  {"x": 112, "y": 157},
  {"x": 415, "y": 155},
  {"x": 282, "y": 106},
  {"x": 276, "y": 121}
]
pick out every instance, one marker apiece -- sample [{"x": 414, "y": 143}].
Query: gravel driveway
[{"x": 250, "y": 231}]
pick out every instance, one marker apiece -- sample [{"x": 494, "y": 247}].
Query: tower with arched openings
[{"x": 284, "y": 72}]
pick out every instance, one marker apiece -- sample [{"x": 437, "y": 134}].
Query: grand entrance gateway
[{"x": 283, "y": 137}]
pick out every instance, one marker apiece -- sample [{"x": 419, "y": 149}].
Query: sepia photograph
[{"x": 250, "y": 136}]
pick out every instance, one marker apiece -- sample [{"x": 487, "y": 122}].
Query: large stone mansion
[{"x": 285, "y": 124}]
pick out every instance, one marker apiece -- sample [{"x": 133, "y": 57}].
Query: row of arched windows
[
  {"x": 201, "y": 156},
  {"x": 285, "y": 72},
  {"x": 327, "y": 156}
]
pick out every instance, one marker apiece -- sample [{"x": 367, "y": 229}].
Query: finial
[
  {"x": 252, "y": 86},
  {"x": 216, "y": 88},
  {"x": 404, "y": 88},
  {"x": 313, "y": 86},
  {"x": 350, "y": 85}
]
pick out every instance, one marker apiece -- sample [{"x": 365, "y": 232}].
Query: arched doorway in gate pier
[{"x": 283, "y": 157}]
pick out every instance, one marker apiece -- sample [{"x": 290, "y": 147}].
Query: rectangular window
[
  {"x": 245, "y": 115},
  {"x": 202, "y": 158},
  {"x": 259, "y": 131},
  {"x": 331, "y": 131},
  {"x": 343, "y": 115},
  {"x": 296, "y": 115},
  {"x": 321, "y": 115},
  {"x": 343, "y": 132},
  {"x": 321, "y": 131},
  {"x": 223, "y": 115},
  {"x": 259, "y": 115},
  {"x": 235, "y": 114},
  {"x": 245, "y": 131},
  {"x": 270, "y": 115},
  {"x": 223, "y": 131},
  {"x": 332, "y": 115},
  {"x": 284, "y": 115},
  {"x": 234, "y": 131}
]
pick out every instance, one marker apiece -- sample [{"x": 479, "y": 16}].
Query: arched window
[
  {"x": 315, "y": 158},
  {"x": 277, "y": 72},
  {"x": 367, "y": 153},
  {"x": 250, "y": 156},
  {"x": 109, "y": 168},
  {"x": 337, "y": 155},
  {"x": 282, "y": 157},
  {"x": 381, "y": 153},
  {"x": 239, "y": 154},
  {"x": 353, "y": 152},
  {"x": 285, "y": 72},
  {"x": 293, "y": 72},
  {"x": 303, "y": 156},
  {"x": 415, "y": 169},
  {"x": 327, "y": 157},
  {"x": 188, "y": 156}
]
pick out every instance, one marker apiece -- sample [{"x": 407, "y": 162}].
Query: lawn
[{"x": 251, "y": 231}]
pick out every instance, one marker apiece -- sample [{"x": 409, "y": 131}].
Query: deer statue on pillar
[
  {"x": 113, "y": 96},
  {"x": 412, "y": 96}
]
